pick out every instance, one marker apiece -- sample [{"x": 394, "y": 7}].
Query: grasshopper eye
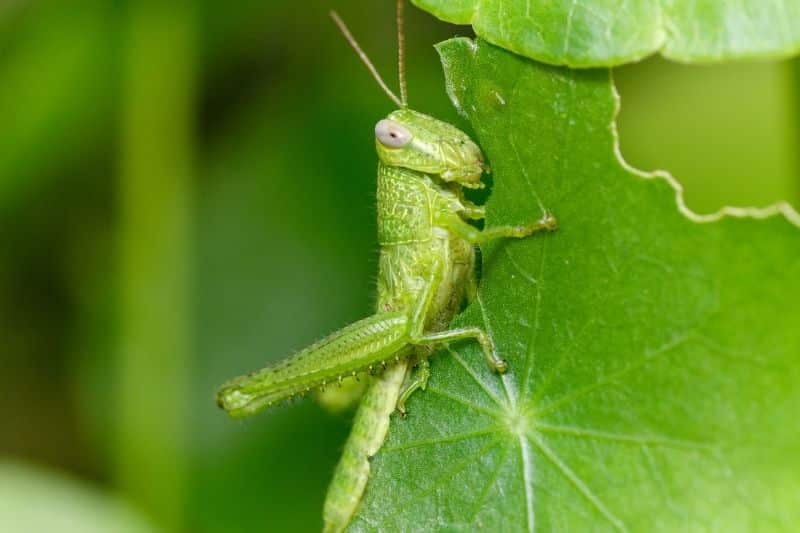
[{"x": 391, "y": 134}]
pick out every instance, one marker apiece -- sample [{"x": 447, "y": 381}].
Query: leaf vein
[
  {"x": 642, "y": 440},
  {"x": 579, "y": 484},
  {"x": 443, "y": 479},
  {"x": 536, "y": 313},
  {"x": 646, "y": 359},
  {"x": 475, "y": 377},
  {"x": 504, "y": 378},
  {"x": 489, "y": 483},
  {"x": 527, "y": 473},
  {"x": 462, "y": 401},
  {"x": 441, "y": 440}
]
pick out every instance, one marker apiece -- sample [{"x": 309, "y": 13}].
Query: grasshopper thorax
[{"x": 415, "y": 141}]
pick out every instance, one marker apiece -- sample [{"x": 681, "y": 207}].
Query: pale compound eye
[{"x": 392, "y": 134}]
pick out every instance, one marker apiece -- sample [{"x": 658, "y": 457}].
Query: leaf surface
[
  {"x": 654, "y": 354},
  {"x": 591, "y": 33}
]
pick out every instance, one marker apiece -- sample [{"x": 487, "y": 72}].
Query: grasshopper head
[{"x": 419, "y": 142}]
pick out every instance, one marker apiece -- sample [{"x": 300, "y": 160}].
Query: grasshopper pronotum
[{"x": 426, "y": 272}]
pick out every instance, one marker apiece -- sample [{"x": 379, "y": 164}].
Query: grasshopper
[{"x": 426, "y": 273}]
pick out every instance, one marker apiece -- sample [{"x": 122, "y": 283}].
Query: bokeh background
[{"x": 186, "y": 193}]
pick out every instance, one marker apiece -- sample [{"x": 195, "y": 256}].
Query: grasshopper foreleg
[
  {"x": 476, "y": 236},
  {"x": 472, "y": 211},
  {"x": 487, "y": 346}
]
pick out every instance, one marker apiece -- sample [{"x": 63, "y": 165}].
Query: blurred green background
[{"x": 186, "y": 193}]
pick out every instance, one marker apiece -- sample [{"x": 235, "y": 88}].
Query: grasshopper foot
[
  {"x": 500, "y": 366},
  {"x": 548, "y": 222},
  {"x": 417, "y": 380}
]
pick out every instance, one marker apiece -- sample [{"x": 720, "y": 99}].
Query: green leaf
[
  {"x": 591, "y": 33},
  {"x": 654, "y": 354}
]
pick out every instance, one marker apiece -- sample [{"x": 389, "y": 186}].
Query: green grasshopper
[{"x": 426, "y": 273}]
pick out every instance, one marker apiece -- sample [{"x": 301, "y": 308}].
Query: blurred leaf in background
[
  {"x": 728, "y": 132},
  {"x": 34, "y": 499},
  {"x": 279, "y": 240}
]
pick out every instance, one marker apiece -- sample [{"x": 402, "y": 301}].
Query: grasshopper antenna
[
  {"x": 401, "y": 52},
  {"x": 364, "y": 59}
]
